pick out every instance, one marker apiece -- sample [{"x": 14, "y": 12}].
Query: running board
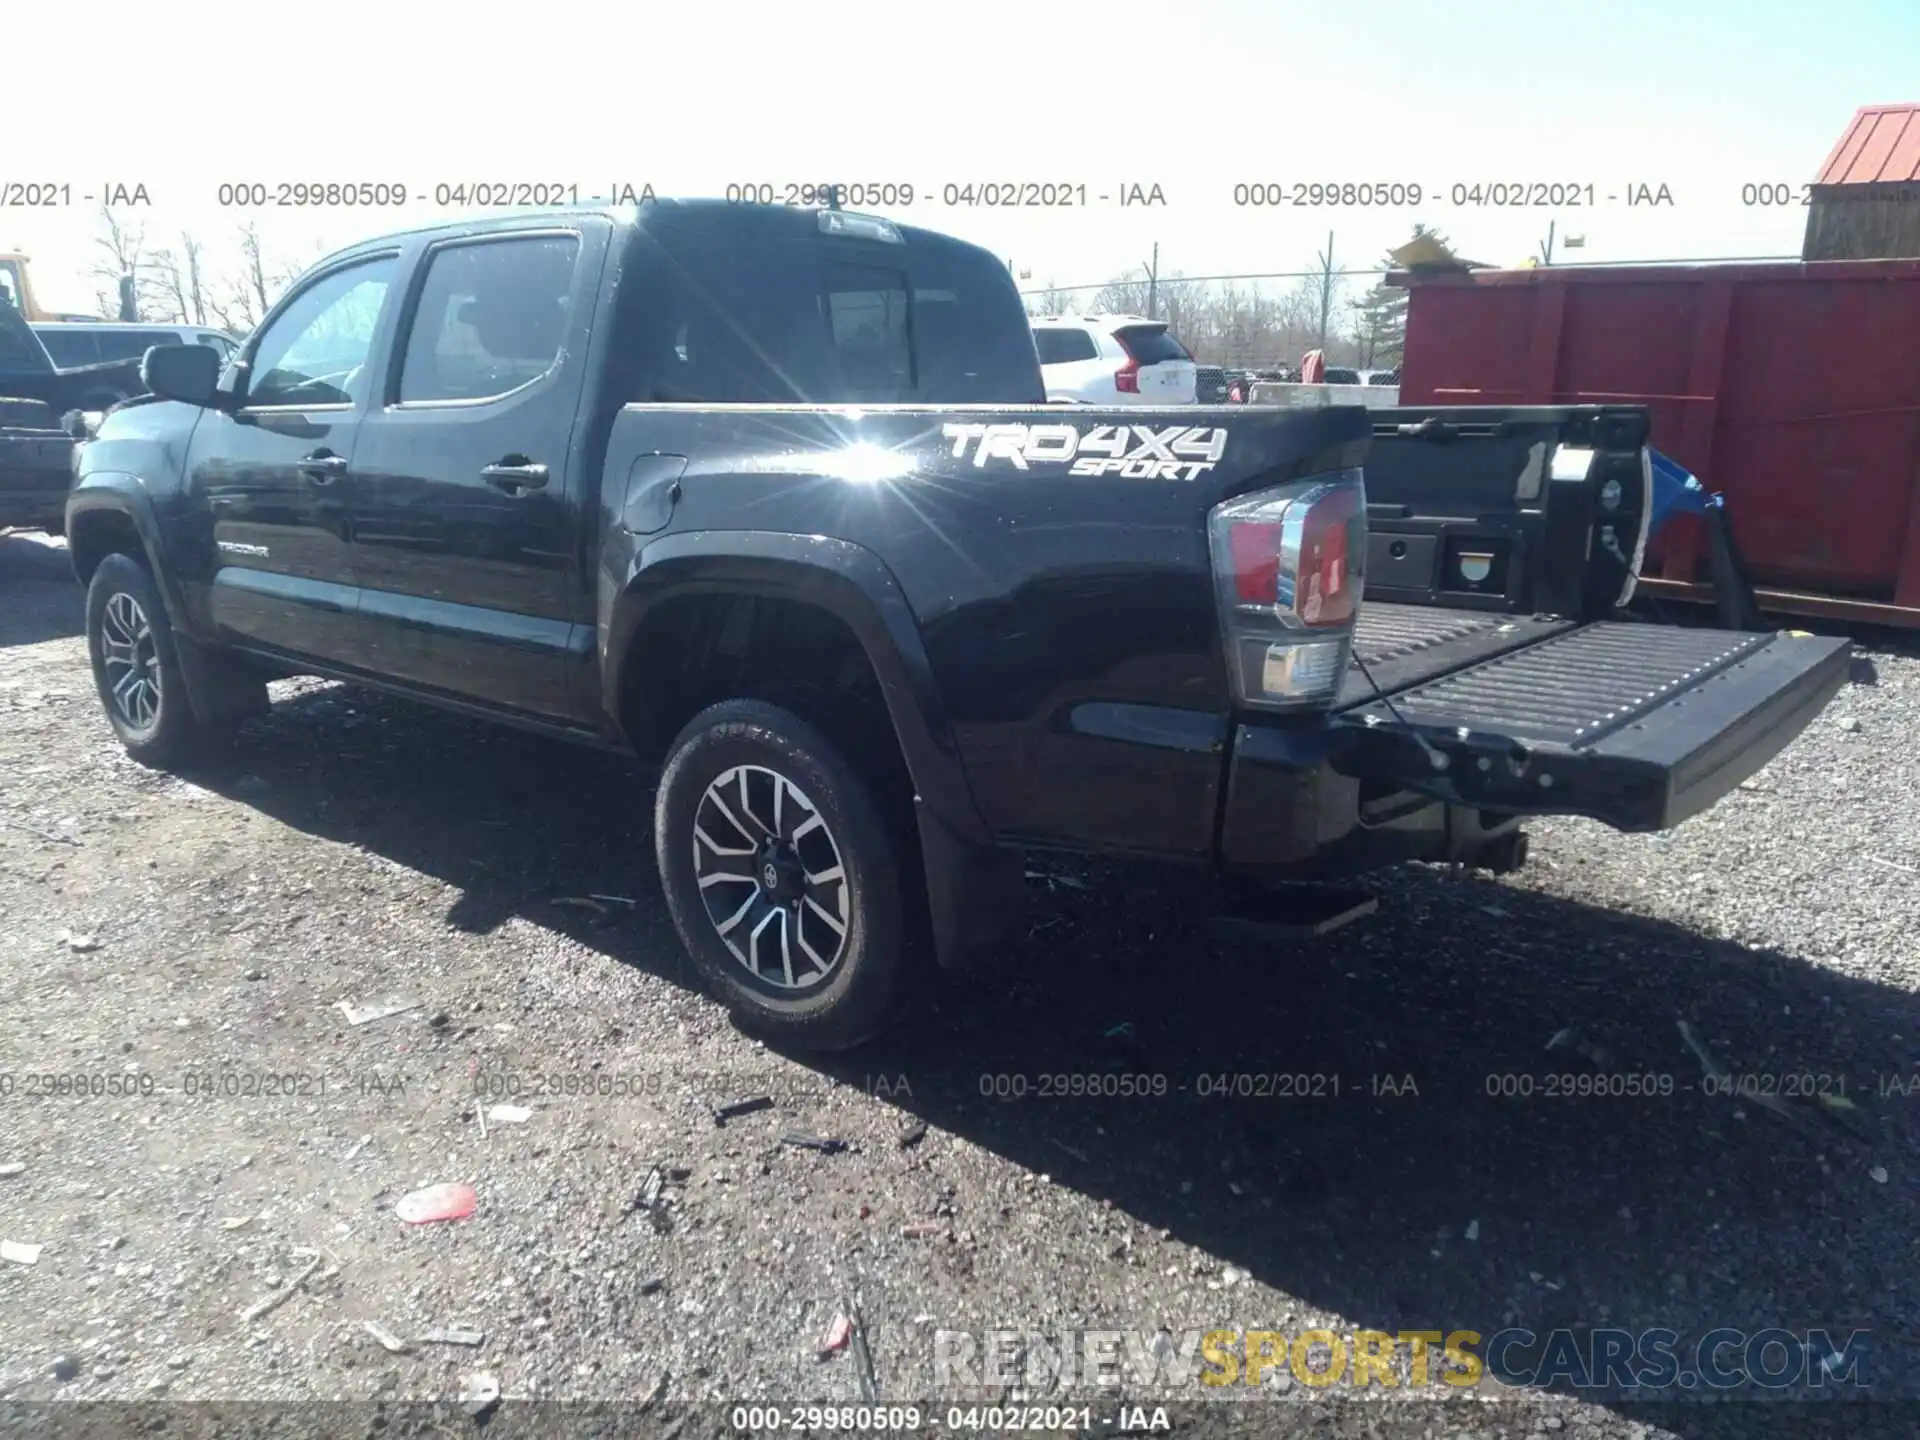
[{"x": 1637, "y": 726}]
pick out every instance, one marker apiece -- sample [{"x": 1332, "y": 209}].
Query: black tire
[
  {"x": 171, "y": 733},
  {"x": 855, "y": 998}
]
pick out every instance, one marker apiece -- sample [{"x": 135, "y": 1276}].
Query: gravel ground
[{"x": 191, "y": 941}]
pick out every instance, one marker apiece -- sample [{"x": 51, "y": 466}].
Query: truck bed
[
  {"x": 35, "y": 471},
  {"x": 1491, "y": 666},
  {"x": 1396, "y": 647}
]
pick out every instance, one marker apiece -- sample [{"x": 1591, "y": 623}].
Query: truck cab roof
[
  {"x": 846, "y": 307},
  {"x": 771, "y": 222}
]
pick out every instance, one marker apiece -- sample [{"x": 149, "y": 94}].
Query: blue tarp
[{"x": 1675, "y": 489}]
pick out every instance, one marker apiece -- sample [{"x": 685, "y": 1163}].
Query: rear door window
[
  {"x": 1151, "y": 344},
  {"x": 491, "y": 317},
  {"x": 1063, "y": 346}
]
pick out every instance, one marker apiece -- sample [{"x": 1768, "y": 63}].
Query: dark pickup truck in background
[
  {"x": 771, "y": 498},
  {"x": 37, "y": 398}
]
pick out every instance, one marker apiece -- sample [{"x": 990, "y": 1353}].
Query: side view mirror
[{"x": 189, "y": 373}]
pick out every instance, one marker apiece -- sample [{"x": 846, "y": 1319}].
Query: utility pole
[
  {"x": 1153, "y": 282},
  {"x": 1326, "y": 289}
]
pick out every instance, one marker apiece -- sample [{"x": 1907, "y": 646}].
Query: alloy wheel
[
  {"x": 771, "y": 877},
  {"x": 130, "y": 660}
]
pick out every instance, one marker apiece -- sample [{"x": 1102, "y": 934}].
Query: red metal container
[{"x": 1793, "y": 388}]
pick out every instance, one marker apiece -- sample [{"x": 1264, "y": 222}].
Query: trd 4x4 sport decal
[{"x": 1138, "y": 452}]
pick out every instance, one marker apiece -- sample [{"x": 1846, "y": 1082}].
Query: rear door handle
[
  {"x": 323, "y": 466},
  {"x": 515, "y": 476}
]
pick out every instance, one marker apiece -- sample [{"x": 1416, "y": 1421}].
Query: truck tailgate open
[{"x": 1637, "y": 726}]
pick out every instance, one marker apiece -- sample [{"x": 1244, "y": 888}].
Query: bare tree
[
  {"x": 1246, "y": 323},
  {"x": 178, "y": 283},
  {"x": 1050, "y": 301},
  {"x": 1174, "y": 298},
  {"x": 254, "y": 278},
  {"x": 242, "y": 298},
  {"x": 196, "y": 290},
  {"x": 121, "y": 243}
]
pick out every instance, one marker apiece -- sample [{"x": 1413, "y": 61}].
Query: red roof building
[{"x": 1865, "y": 202}]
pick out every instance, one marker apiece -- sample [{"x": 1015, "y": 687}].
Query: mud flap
[
  {"x": 219, "y": 687},
  {"x": 976, "y": 898},
  {"x": 1637, "y": 726}
]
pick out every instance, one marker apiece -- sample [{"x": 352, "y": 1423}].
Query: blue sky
[{"x": 1700, "y": 97}]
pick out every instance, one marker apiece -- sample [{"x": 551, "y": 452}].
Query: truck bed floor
[{"x": 1407, "y": 645}]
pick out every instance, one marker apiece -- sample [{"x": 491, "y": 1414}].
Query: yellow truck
[{"x": 16, "y": 289}]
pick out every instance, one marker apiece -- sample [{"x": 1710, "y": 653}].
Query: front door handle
[
  {"x": 323, "y": 466},
  {"x": 515, "y": 475}
]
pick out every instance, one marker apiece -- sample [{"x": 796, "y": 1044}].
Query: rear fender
[{"x": 970, "y": 883}]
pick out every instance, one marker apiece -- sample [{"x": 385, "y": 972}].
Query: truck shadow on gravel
[
  {"x": 38, "y": 597},
  {"x": 1366, "y": 1122}
]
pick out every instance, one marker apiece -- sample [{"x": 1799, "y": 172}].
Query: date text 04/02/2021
[
  {"x": 485, "y": 194},
  {"x": 1479, "y": 194},
  {"x": 1207, "y": 1085},
  {"x": 225, "y": 1084},
  {"x": 391, "y": 193},
  {"x": 878, "y": 1419},
  {"x": 970, "y": 194}
]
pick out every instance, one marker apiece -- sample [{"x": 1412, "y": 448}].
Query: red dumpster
[{"x": 1792, "y": 388}]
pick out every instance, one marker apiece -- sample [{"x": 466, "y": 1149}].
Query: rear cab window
[
  {"x": 770, "y": 311},
  {"x": 1150, "y": 344}
]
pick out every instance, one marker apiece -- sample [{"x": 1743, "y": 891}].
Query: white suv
[{"x": 1112, "y": 360}]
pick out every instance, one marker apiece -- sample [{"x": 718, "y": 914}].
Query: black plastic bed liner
[{"x": 1637, "y": 726}]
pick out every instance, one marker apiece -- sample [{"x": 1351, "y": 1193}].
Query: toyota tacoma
[{"x": 772, "y": 499}]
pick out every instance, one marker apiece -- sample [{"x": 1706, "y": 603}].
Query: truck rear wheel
[
  {"x": 136, "y": 666},
  {"x": 781, "y": 875}
]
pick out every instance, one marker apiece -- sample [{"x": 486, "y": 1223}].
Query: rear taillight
[
  {"x": 1288, "y": 570},
  {"x": 1127, "y": 378}
]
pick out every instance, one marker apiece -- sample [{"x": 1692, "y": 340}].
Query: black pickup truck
[
  {"x": 37, "y": 402},
  {"x": 771, "y": 498}
]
